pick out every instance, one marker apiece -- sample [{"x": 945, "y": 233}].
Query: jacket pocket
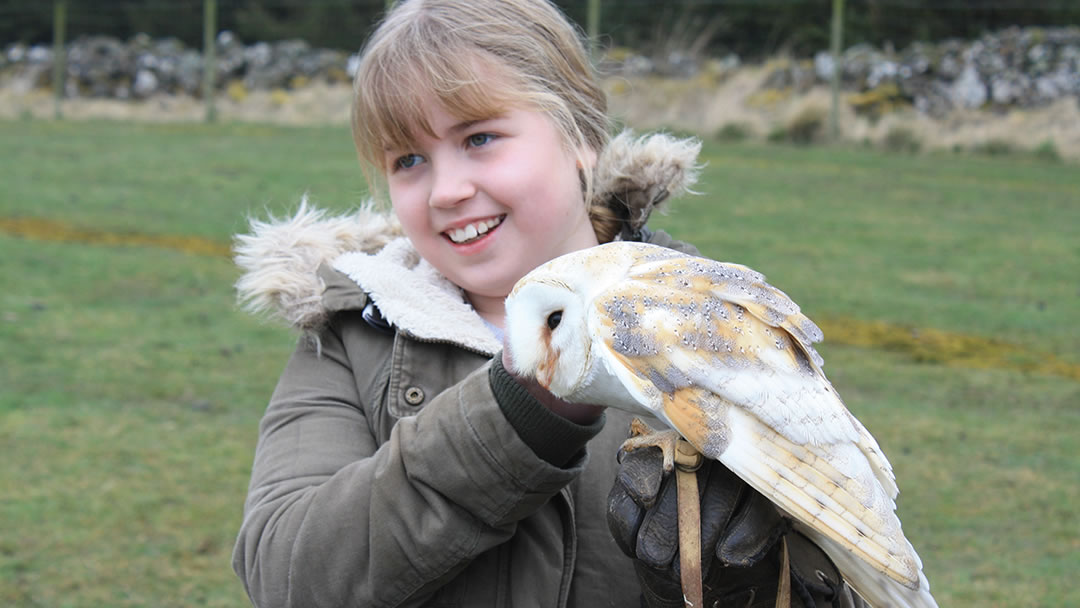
[{"x": 484, "y": 582}]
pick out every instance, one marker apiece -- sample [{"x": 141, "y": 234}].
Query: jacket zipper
[{"x": 569, "y": 547}]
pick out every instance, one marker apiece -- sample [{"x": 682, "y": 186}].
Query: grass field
[{"x": 131, "y": 387}]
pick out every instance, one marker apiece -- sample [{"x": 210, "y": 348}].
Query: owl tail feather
[{"x": 876, "y": 588}]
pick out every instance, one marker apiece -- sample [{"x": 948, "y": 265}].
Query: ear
[{"x": 586, "y": 157}]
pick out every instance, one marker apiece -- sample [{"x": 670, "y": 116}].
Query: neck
[{"x": 491, "y": 309}]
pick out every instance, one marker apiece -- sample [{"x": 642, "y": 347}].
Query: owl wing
[
  {"x": 726, "y": 359},
  {"x": 721, "y": 327}
]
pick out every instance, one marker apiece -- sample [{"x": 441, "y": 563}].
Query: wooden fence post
[
  {"x": 59, "y": 55},
  {"x": 836, "y": 48},
  {"x": 592, "y": 25},
  {"x": 209, "y": 57}
]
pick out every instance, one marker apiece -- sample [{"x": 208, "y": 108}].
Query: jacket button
[{"x": 414, "y": 395}]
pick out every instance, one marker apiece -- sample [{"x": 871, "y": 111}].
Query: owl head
[
  {"x": 551, "y": 325},
  {"x": 546, "y": 331}
]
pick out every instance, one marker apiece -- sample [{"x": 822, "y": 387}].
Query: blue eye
[
  {"x": 478, "y": 139},
  {"x": 408, "y": 161}
]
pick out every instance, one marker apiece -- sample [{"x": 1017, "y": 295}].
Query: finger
[
  {"x": 720, "y": 491},
  {"x": 624, "y": 519},
  {"x": 641, "y": 473},
  {"x": 658, "y": 537},
  {"x": 754, "y": 529}
]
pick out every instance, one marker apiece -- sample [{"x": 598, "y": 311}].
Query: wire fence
[
  {"x": 751, "y": 26},
  {"x": 746, "y": 28}
]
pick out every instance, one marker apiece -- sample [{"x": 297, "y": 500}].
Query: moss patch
[{"x": 52, "y": 230}]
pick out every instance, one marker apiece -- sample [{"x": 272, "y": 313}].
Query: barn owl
[{"x": 727, "y": 361}]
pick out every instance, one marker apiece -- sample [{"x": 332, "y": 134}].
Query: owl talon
[{"x": 644, "y": 436}]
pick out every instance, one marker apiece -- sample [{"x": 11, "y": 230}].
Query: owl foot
[{"x": 644, "y": 436}]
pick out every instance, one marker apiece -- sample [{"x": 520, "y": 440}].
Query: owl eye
[{"x": 554, "y": 319}]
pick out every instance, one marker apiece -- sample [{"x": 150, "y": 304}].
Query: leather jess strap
[{"x": 687, "y": 461}]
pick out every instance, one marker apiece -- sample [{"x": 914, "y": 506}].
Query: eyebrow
[{"x": 465, "y": 125}]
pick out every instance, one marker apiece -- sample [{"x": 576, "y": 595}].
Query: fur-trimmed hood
[{"x": 285, "y": 260}]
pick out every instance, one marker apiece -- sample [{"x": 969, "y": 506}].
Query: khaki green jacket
[{"x": 386, "y": 472}]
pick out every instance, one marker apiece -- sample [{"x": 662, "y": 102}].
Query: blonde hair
[{"x": 452, "y": 51}]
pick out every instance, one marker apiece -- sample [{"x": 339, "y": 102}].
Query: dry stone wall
[{"x": 1012, "y": 68}]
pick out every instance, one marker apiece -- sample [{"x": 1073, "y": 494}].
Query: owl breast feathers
[{"x": 722, "y": 357}]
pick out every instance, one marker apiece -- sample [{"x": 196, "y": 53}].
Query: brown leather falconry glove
[{"x": 740, "y": 530}]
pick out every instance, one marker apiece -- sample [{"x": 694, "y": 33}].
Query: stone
[{"x": 969, "y": 91}]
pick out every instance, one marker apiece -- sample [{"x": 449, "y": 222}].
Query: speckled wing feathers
[{"x": 683, "y": 321}]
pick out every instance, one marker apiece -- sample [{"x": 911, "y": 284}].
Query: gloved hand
[{"x": 740, "y": 530}]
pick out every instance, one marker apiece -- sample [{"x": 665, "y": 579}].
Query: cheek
[
  {"x": 541, "y": 168},
  {"x": 410, "y": 207},
  {"x": 548, "y": 197}
]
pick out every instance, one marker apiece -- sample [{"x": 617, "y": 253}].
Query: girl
[{"x": 398, "y": 462}]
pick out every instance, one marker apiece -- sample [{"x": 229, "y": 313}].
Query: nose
[{"x": 451, "y": 184}]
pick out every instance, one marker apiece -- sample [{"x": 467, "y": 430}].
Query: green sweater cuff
[{"x": 552, "y": 437}]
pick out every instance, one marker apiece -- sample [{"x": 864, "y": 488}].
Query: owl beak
[
  {"x": 545, "y": 372},
  {"x": 544, "y": 379}
]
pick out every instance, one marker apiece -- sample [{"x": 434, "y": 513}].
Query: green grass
[{"x": 131, "y": 387}]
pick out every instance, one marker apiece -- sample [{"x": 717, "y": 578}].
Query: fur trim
[
  {"x": 635, "y": 176},
  {"x": 280, "y": 258},
  {"x": 413, "y": 295}
]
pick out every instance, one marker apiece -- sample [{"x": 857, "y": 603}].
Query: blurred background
[
  {"x": 983, "y": 75},
  {"x": 906, "y": 170}
]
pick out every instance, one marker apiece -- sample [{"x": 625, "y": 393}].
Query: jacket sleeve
[
  {"x": 663, "y": 239},
  {"x": 333, "y": 519}
]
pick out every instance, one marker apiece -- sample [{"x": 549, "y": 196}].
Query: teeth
[{"x": 460, "y": 235}]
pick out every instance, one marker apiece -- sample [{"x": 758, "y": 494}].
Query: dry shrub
[
  {"x": 901, "y": 139},
  {"x": 807, "y": 126},
  {"x": 733, "y": 132},
  {"x": 995, "y": 147},
  {"x": 1047, "y": 151}
]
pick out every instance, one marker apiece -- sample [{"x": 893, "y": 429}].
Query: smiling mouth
[{"x": 473, "y": 231}]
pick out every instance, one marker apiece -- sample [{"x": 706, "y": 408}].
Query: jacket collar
[{"x": 412, "y": 295}]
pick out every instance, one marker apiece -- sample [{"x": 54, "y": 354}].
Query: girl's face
[{"x": 485, "y": 202}]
